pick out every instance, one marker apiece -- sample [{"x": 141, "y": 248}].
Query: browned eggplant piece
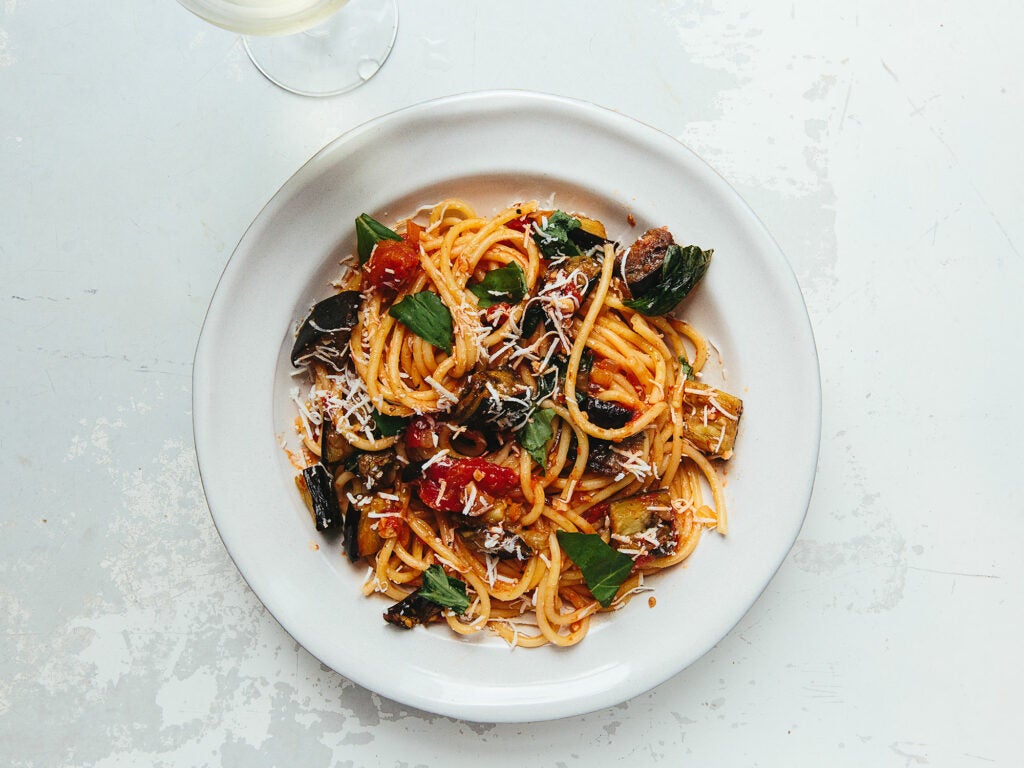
[
  {"x": 606, "y": 414},
  {"x": 412, "y": 610},
  {"x": 328, "y": 326},
  {"x": 334, "y": 448},
  {"x": 587, "y": 265},
  {"x": 367, "y": 542},
  {"x": 646, "y": 255},
  {"x": 603, "y": 459},
  {"x": 493, "y": 400},
  {"x": 637, "y": 513},
  {"x": 320, "y": 496},
  {"x": 711, "y": 418},
  {"x": 370, "y": 530},
  {"x": 359, "y": 537},
  {"x": 589, "y": 235},
  {"x": 498, "y": 542},
  {"x": 377, "y": 469}
]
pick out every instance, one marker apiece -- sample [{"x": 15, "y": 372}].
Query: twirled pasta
[{"x": 591, "y": 353}]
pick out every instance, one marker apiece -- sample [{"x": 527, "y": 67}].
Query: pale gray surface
[{"x": 879, "y": 144}]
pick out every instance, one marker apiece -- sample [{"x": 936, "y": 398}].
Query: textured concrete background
[{"x": 878, "y": 142}]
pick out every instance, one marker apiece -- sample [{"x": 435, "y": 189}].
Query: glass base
[{"x": 333, "y": 57}]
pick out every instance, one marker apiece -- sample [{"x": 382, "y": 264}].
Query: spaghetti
[{"x": 505, "y": 419}]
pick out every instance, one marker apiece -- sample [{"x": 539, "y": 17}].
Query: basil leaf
[
  {"x": 388, "y": 426},
  {"x": 440, "y": 588},
  {"x": 681, "y": 270},
  {"x": 686, "y": 368},
  {"x": 426, "y": 315},
  {"x": 553, "y": 239},
  {"x": 369, "y": 232},
  {"x": 534, "y": 436},
  {"x": 604, "y": 569},
  {"x": 506, "y": 283}
]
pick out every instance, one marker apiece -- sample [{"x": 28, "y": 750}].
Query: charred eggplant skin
[
  {"x": 587, "y": 240},
  {"x": 477, "y": 408},
  {"x": 320, "y": 484},
  {"x": 603, "y": 459},
  {"x": 329, "y": 322},
  {"x": 414, "y": 609},
  {"x": 606, "y": 414},
  {"x": 334, "y": 448},
  {"x": 502, "y": 544},
  {"x": 377, "y": 469},
  {"x": 350, "y": 540}
]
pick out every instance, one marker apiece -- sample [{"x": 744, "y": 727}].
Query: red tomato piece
[
  {"x": 520, "y": 224},
  {"x": 445, "y": 480},
  {"x": 496, "y": 314},
  {"x": 390, "y": 527},
  {"x": 596, "y": 513},
  {"x": 392, "y": 263},
  {"x": 441, "y": 497},
  {"x": 419, "y": 433}
]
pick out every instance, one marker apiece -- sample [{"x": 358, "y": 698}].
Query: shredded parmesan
[
  {"x": 435, "y": 458},
  {"x": 447, "y": 397}
]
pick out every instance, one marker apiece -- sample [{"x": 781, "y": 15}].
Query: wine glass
[{"x": 309, "y": 47}]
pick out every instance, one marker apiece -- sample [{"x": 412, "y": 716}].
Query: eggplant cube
[
  {"x": 638, "y": 513},
  {"x": 711, "y": 418}
]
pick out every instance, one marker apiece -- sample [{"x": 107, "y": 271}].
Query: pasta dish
[{"x": 504, "y": 418}]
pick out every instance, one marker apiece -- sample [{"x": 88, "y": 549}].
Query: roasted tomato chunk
[
  {"x": 445, "y": 480},
  {"x": 419, "y": 433},
  {"x": 392, "y": 263}
]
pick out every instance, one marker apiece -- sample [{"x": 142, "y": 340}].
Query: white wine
[{"x": 264, "y": 17}]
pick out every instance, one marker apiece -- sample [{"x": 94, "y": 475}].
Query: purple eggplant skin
[
  {"x": 320, "y": 483},
  {"x": 603, "y": 459},
  {"x": 329, "y": 324},
  {"x": 501, "y": 544},
  {"x": 334, "y": 448},
  {"x": 587, "y": 241},
  {"x": 350, "y": 533},
  {"x": 412, "y": 610},
  {"x": 606, "y": 414}
]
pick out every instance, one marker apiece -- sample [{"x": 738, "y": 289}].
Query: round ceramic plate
[{"x": 493, "y": 149}]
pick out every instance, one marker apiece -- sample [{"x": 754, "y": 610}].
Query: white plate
[{"x": 492, "y": 149}]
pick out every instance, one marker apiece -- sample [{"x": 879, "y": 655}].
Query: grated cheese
[
  {"x": 446, "y": 395},
  {"x": 435, "y": 458}
]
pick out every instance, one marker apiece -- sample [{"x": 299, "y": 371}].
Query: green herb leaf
[
  {"x": 534, "y": 436},
  {"x": 686, "y": 368},
  {"x": 506, "y": 283},
  {"x": 440, "y": 588},
  {"x": 369, "y": 232},
  {"x": 388, "y": 426},
  {"x": 426, "y": 315},
  {"x": 604, "y": 569},
  {"x": 681, "y": 270},
  {"x": 553, "y": 240}
]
